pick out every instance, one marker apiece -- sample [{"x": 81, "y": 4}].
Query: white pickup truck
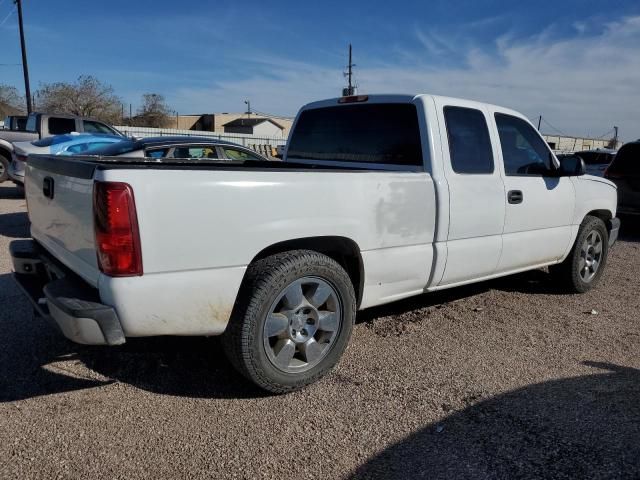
[{"x": 378, "y": 198}]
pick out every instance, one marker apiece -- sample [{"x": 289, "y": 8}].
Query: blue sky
[{"x": 575, "y": 62}]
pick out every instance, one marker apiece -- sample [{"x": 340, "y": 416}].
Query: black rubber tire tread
[
  {"x": 242, "y": 340},
  {"x": 566, "y": 274},
  {"x": 5, "y": 162}
]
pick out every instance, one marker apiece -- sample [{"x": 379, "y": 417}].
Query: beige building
[
  {"x": 215, "y": 122},
  {"x": 576, "y": 144}
]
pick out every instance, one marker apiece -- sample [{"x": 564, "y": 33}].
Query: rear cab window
[
  {"x": 58, "y": 125},
  {"x": 373, "y": 134}
]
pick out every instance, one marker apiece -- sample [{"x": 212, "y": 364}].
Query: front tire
[
  {"x": 292, "y": 321},
  {"x": 582, "y": 269}
]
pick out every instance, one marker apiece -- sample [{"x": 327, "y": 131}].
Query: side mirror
[{"x": 571, "y": 166}]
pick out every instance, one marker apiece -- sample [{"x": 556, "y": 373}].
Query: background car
[
  {"x": 597, "y": 160},
  {"x": 68, "y": 144},
  {"x": 624, "y": 171},
  {"x": 180, "y": 147}
]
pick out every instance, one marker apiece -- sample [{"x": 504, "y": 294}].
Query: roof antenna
[{"x": 351, "y": 88}]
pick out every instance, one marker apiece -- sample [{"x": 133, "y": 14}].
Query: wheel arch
[
  {"x": 5, "y": 148},
  {"x": 5, "y": 152},
  {"x": 604, "y": 215},
  {"x": 341, "y": 249}
]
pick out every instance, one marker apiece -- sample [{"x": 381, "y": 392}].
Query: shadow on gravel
[
  {"x": 583, "y": 427},
  {"x": 34, "y": 361},
  {"x": 531, "y": 282},
  {"x": 630, "y": 228},
  {"x": 8, "y": 190},
  {"x": 432, "y": 299},
  {"x": 14, "y": 225},
  {"x": 178, "y": 366}
]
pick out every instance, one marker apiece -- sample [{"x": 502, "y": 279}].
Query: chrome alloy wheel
[
  {"x": 590, "y": 256},
  {"x": 302, "y": 324}
]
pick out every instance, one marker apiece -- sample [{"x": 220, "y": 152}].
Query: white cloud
[{"x": 583, "y": 84}]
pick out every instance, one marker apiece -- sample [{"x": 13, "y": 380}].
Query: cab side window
[
  {"x": 195, "y": 152},
  {"x": 523, "y": 151},
  {"x": 469, "y": 141},
  {"x": 96, "y": 127},
  {"x": 235, "y": 154}
]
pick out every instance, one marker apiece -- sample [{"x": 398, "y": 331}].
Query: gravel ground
[{"x": 505, "y": 379}]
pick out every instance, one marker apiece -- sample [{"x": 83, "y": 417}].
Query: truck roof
[{"x": 404, "y": 98}]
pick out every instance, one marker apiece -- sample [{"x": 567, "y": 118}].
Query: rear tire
[
  {"x": 292, "y": 320},
  {"x": 583, "y": 267},
  {"x": 4, "y": 169}
]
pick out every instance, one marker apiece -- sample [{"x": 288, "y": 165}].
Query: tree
[
  {"x": 154, "y": 112},
  {"x": 10, "y": 97},
  {"x": 88, "y": 97}
]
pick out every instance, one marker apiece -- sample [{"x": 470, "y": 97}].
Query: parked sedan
[
  {"x": 180, "y": 147},
  {"x": 624, "y": 171},
  {"x": 597, "y": 160},
  {"x": 68, "y": 144}
]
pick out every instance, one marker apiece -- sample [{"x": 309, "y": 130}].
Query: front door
[
  {"x": 539, "y": 208},
  {"x": 476, "y": 193}
]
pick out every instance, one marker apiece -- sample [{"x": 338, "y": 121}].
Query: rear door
[
  {"x": 539, "y": 208},
  {"x": 476, "y": 192}
]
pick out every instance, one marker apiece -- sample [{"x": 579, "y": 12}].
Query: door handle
[
  {"x": 515, "y": 196},
  {"x": 47, "y": 187}
]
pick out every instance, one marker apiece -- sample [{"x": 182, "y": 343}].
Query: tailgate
[{"x": 59, "y": 194}]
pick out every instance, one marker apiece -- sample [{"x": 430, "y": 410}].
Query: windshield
[
  {"x": 596, "y": 158},
  {"x": 383, "y": 133}
]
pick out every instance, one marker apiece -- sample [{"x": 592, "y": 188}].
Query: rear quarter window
[{"x": 366, "y": 133}]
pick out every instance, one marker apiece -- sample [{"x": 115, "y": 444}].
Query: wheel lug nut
[
  {"x": 293, "y": 331},
  {"x": 310, "y": 321}
]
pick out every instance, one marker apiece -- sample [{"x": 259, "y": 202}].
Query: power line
[
  {"x": 271, "y": 115},
  {"x": 11, "y": 12},
  {"x": 555, "y": 128},
  {"x": 606, "y": 134}
]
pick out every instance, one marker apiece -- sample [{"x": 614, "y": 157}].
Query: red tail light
[
  {"x": 353, "y": 99},
  {"x": 608, "y": 174},
  {"x": 116, "y": 229},
  {"x": 21, "y": 157}
]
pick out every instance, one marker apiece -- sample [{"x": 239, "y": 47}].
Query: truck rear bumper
[{"x": 59, "y": 295}]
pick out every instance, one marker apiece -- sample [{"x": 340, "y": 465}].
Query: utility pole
[
  {"x": 25, "y": 68},
  {"x": 539, "y": 120},
  {"x": 615, "y": 137},
  {"x": 351, "y": 89},
  {"x": 248, "y": 104}
]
